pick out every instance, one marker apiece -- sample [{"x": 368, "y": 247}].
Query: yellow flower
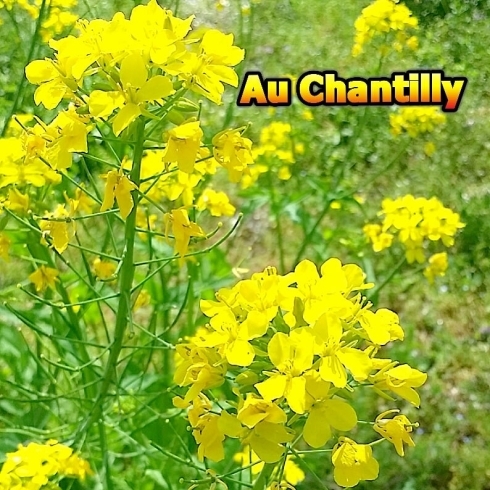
[
  {"x": 307, "y": 115},
  {"x": 414, "y": 221},
  {"x": 401, "y": 380},
  {"x": 217, "y": 202},
  {"x": 324, "y": 414},
  {"x": 4, "y": 246},
  {"x": 43, "y": 278},
  {"x": 396, "y": 430},
  {"x": 183, "y": 229},
  {"x": 437, "y": 266},
  {"x": 233, "y": 152},
  {"x": 198, "y": 367},
  {"x": 51, "y": 78},
  {"x": 17, "y": 168},
  {"x": 143, "y": 299},
  {"x": 17, "y": 202},
  {"x": 416, "y": 120},
  {"x": 183, "y": 145},
  {"x": 103, "y": 269},
  {"x": 292, "y": 356},
  {"x": 81, "y": 202},
  {"x": 336, "y": 357},
  {"x": 382, "y": 326},
  {"x": 136, "y": 90},
  {"x": 266, "y": 440},
  {"x": 34, "y": 466},
  {"x": 255, "y": 409},
  {"x": 233, "y": 337},
  {"x": 381, "y": 17},
  {"x": 429, "y": 148},
  {"x": 205, "y": 72},
  {"x": 118, "y": 187},
  {"x": 284, "y": 173},
  {"x": 353, "y": 462},
  {"x": 59, "y": 226}
]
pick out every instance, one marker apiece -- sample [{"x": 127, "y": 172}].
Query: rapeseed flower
[
  {"x": 381, "y": 18},
  {"x": 396, "y": 430},
  {"x": 289, "y": 348},
  {"x": 36, "y": 465},
  {"x": 416, "y": 120},
  {"x": 44, "y": 278},
  {"x": 353, "y": 462},
  {"x": 118, "y": 187},
  {"x": 416, "y": 223}
]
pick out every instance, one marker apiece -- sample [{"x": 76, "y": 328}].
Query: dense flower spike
[
  {"x": 416, "y": 222},
  {"x": 416, "y": 120},
  {"x": 35, "y": 466},
  {"x": 143, "y": 57},
  {"x": 381, "y": 18},
  {"x": 110, "y": 74},
  {"x": 290, "y": 347}
]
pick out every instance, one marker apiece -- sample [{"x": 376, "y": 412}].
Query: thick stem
[
  {"x": 125, "y": 285},
  {"x": 375, "y": 295}
]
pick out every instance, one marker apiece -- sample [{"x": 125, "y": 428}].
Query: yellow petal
[
  {"x": 103, "y": 104},
  {"x": 40, "y": 71},
  {"x": 340, "y": 414},
  {"x": 133, "y": 71},
  {"x": 331, "y": 369},
  {"x": 125, "y": 117},
  {"x": 272, "y": 388},
  {"x": 156, "y": 88},
  {"x": 123, "y": 196},
  {"x": 316, "y": 431},
  {"x": 110, "y": 185}
]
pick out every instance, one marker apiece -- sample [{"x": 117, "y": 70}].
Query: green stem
[
  {"x": 275, "y": 212},
  {"x": 105, "y": 455},
  {"x": 375, "y": 295},
  {"x": 30, "y": 56},
  {"x": 125, "y": 286}
]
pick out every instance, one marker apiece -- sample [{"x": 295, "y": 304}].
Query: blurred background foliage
[{"x": 447, "y": 324}]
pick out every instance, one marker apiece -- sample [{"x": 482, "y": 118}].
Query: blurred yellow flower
[
  {"x": 4, "y": 246},
  {"x": 43, "y": 278},
  {"x": 216, "y": 202},
  {"x": 380, "y": 18},
  {"x": 416, "y": 120},
  {"x": 438, "y": 264},
  {"x": 103, "y": 269}
]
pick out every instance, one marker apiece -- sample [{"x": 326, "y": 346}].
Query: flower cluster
[
  {"x": 38, "y": 466},
  {"x": 139, "y": 61},
  {"x": 110, "y": 75},
  {"x": 59, "y": 14},
  {"x": 416, "y": 120},
  {"x": 276, "y": 151},
  {"x": 416, "y": 222},
  {"x": 379, "y": 19},
  {"x": 292, "y": 347}
]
